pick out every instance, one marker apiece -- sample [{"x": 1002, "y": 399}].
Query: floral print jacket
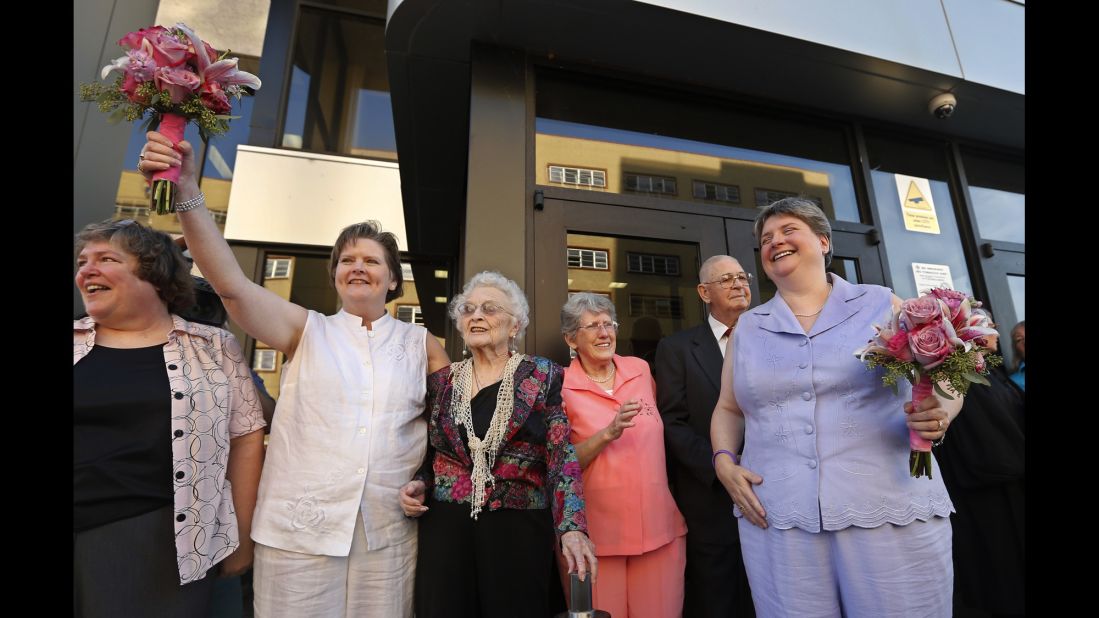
[{"x": 536, "y": 466}]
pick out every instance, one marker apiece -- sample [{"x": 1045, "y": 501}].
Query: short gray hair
[
  {"x": 800, "y": 208},
  {"x": 492, "y": 279},
  {"x": 580, "y": 302},
  {"x": 708, "y": 265}
]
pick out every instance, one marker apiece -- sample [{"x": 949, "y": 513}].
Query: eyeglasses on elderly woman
[{"x": 488, "y": 309}]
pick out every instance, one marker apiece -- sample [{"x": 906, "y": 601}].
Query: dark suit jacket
[{"x": 688, "y": 377}]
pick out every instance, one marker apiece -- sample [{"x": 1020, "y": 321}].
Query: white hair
[{"x": 492, "y": 279}]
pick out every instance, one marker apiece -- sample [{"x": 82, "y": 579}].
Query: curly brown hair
[{"x": 159, "y": 261}]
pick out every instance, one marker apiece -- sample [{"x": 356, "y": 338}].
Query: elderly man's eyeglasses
[
  {"x": 488, "y": 309},
  {"x": 729, "y": 280},
  {"x": 595, "y": 327}
]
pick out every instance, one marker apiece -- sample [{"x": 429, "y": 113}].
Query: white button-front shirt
[{"x": 348, "y": 433}]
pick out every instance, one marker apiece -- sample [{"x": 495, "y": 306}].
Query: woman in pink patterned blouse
[{"x": 155, "y": 397}]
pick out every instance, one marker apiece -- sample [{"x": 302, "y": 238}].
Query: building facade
[{"x": 608, "y": 146}]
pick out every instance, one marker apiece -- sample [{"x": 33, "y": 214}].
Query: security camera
[{"x": 943, "y": 106}]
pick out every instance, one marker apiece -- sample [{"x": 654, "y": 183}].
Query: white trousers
[
  {"x": 365, "y": 583},
  {"x": 888, "y": 571}
]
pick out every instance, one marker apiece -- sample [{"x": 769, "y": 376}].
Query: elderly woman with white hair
[
  {"x": 610, "y": 401},
  {"x": 501, "y": 476}
]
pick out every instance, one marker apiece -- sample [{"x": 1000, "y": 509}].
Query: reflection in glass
[
  {"x": 652, "y": 284},
  {"x": 664, "y": 166},
  {"x": 848, "y": 269},
  {"x": 338, "y": 100},
  {"x": 1001, "y": 215},
  {"x": 1017, "y": 285}
]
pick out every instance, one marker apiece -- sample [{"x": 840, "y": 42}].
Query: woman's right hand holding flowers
[
  {"x": 159, "y": 154},
  {"x": 738, "y": 481}
]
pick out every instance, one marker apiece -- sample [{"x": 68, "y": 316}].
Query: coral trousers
[{"x": 649, "y": 585}]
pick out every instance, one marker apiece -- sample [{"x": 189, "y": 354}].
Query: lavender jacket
[{"x": 828, "y": 439}]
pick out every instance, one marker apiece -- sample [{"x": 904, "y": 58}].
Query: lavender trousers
[{"x": 884, "y": 571}]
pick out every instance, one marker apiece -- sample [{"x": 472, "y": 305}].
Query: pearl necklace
[{"x": 603, "y": 379}]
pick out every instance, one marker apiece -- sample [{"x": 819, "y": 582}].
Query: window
[
  {"x": 277, "y": 268},
  {"x": 595, "y": 259},
  {"x": 717, "y": 192},
  {"x": 657, "y": 306},
  {"x": 406, "y": 271},
  {"x": 338, "y": 100},
  {"x": 577, "y": 176},
  {"x": 652, "y": 264},
  {"x": 265, "y": 359},
  {"x": 641, "y": 183},
  {"x": 766, "y": 197},
  {"x": 410, "y": 314}
]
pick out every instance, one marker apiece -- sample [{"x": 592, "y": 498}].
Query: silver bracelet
[{"x": 192, "y": 203}]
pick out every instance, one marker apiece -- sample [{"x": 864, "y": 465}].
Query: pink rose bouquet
[
  {"x": 172, "y": 76},
  {"x": 931, "y": 340}
]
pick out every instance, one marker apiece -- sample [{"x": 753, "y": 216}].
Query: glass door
[{"x": 646, "y": 261}]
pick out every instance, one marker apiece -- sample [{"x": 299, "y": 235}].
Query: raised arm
[{"x": 260, "y": 312}]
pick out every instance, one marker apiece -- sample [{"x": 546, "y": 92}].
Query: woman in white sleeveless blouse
[{"x": 330, "y": 537}]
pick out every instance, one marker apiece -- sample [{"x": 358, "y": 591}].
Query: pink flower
[
  {"x": 134, "y": 40},
  {"x": 980, "y": 366},
  {"x": 917, "y": 311},
  {"x": 141, "y": 65},
  {"x": 958, "y": 304},
  {"x": 179, "y": 82},
  {"x": 166, "y": 49},
  {"x": 213, "y": 97},
  {"x": 898, "y": 346},
  {"x": 930, "y": 345}
]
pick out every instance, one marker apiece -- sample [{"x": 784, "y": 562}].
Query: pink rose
[
  {"x": 179, "y": 82},
  {"x": 930, "y": 345},
  {"x": 167, "y": 50},
  {"x": 917, "y": 311},
  {"x": 898, "y": 346},
  {"x": 133, "y": 40}
]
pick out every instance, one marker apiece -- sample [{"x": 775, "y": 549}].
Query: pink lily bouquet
[
  {"x": 173, "y": 76},
  {"x": 931, "y": 339}
]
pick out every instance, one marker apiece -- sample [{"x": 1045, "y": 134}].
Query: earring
[
  {"x": 572, "y": 352},
  {"x": 511, "y": 345},
  {"x": 465, "y": 351}
]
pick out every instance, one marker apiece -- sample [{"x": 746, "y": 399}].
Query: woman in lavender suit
[{"x": 839, "y": 525}]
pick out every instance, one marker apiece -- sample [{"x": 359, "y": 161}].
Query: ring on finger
[{"x": 940, "y": 424}]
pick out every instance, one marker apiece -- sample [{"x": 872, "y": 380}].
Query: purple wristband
[{"x": 736, "y": 458}]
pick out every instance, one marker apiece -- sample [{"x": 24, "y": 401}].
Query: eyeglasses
[
  {"x": 729, "y": 280},
  {"x": 595, "y": 327},
  {"x": 488, "y": 309}
]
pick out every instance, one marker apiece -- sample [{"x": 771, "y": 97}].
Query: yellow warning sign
[{"x": 917, "y": 205}]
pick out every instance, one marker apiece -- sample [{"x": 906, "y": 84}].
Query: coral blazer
[{"x": 630, "y": 508}]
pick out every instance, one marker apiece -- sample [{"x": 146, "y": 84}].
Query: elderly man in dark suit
[{"x": 688, "y": 374}]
